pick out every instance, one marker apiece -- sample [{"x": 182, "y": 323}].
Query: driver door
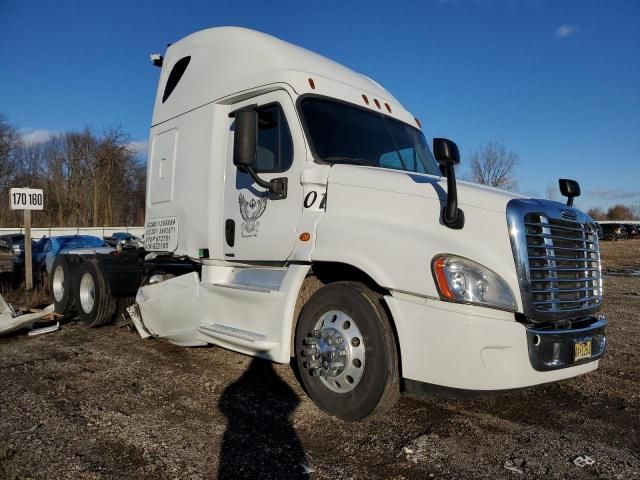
[{"x": 257, "y": 228}]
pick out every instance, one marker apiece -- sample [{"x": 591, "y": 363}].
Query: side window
[
  {"x": 404, "y": 159},
  {"x": 275, "y": 147},
  {"x": 174, "y": 77}
]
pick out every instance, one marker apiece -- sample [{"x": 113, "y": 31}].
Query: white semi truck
[{"x": 294, "y": 209}]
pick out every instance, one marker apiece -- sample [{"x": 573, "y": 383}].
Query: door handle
[{"x": 230, "y": 232}]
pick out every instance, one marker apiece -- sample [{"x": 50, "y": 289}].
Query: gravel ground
[{"x": 83, "y": 403}]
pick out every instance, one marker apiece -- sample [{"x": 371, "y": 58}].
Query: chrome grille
[
  {"x": 564, "y": 263},
  {"x": 558, "y": 260}
]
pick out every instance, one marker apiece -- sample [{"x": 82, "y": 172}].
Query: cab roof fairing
[{"x": 252, "y": 59}]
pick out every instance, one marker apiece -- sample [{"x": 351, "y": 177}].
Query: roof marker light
[
  {"x": 418, "y": 123},
  {"x": 375, "y": 100},
  {"x": 388, "y": 107},
  {"x": 365, "y": 98},
  {"x": 312, "y": 84}
]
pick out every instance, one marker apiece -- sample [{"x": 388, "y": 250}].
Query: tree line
[
  {"x": 493, "y": 165},
  {"x": 89, "y": 178}
]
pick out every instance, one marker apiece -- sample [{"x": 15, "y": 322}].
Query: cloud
[
  {"x": 565, "y": 30},
  {"x": 613, "y": 194},
  {"x": 140, "y": 147},
  {"x": 30, "y": 136}
]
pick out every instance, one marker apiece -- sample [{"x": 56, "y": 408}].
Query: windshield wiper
[{"x": 350, "y": 160}]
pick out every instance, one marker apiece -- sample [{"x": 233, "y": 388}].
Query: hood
[{"x": 421, "y": 185}]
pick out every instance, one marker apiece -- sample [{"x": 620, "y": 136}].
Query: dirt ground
[{"x": 84, "y": 403}]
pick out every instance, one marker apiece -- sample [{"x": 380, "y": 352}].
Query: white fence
[
  {"x": 632, "y": 222},
  {"x": 39, "y": 232}
]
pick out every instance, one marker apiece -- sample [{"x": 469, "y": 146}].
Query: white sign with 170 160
[{"x": 26, "y": 199}]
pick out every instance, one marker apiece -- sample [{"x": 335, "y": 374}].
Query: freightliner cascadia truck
[{"x": 295, "y": 209}]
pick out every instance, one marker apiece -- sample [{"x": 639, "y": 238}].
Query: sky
[{"x": 557, "y": 82}]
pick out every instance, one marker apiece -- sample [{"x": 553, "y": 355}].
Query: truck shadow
[{"x": 260, "y": 441}]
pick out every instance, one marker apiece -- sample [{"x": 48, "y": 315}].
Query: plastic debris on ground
[
  {"x": 11, "y": 321},
  {"x": 583, "y": 461},
  {"x": 47, "y": 329}
]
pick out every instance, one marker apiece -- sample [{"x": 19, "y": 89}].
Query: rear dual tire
[
  {"x": 83, "y": 289},
  {"x": 96, "y": 306},
  {"x": 61, "y": 285}
]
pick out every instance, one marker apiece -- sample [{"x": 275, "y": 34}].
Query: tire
[
  {"x": 368, "y": 383},
  {"x": 121, "y": 306},
  {"x": 61, "y": 285},
  {"x": 44, "y": 280},
  {"x": 95, "y": 304}
]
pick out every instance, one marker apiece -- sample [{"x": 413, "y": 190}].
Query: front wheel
[{"x": 346, "y": 352}]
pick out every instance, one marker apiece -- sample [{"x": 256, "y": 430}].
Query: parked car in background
[
  {"x": 599, "y": 231},
  {"x": 16, "y": 241},
  {"x": 632, "y": 230},
  {"x": 125, "y": 239},
  {"x": 76, "y": 244},
  {"x": 6, "y": 257},
  {"x": 614, "y": 231}
]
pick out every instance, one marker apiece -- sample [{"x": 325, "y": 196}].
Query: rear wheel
[
  {"x": 346, "y": 352},
  {"x": 95, "y": 304},
  {"x": 61, "y": 285},
  {"x": 121, "y": 306}
]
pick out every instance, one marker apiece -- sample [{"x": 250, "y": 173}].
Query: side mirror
[
  {"x": 570, "y": 189},
  {"x": 245, "y": 141},
  {"x": 245, "y": 138},
  {"x": 446, "y": 151},
  {"x": 447, "y": 154}
]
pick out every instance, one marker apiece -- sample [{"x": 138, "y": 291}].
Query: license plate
[{"x": 582, "y": 349}]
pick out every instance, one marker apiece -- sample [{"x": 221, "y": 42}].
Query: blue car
[{"x": 70, "y": 244}]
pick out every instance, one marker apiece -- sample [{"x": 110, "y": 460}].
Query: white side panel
[
  {"x": 170, "y": 308},
  {"x": 246, "y": 312},
  {"x": 178, "y": 177},
  {"x": 268, "y": 313}
]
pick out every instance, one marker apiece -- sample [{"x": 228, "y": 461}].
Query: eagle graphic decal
[{"x": 251, "y": 211}]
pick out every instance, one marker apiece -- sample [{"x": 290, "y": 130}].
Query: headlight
[{"x": 465, "y": 281}]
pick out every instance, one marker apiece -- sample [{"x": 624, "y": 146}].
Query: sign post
[{"x": 27, "y": 199}]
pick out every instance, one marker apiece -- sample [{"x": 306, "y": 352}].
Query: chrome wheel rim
[
  {"x": 58, "y": 283},
  {"x": 335, "y": 352},
  {"x": 87, "y": 292}
]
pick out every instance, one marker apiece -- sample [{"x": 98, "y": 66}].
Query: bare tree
[
  {"x": 597, "y": 213},
  {"x": 620, "y": 212},
  {"x": 10, "y": 142},
  {"x": 89, "y": 179},
  {"x": 493, "y": 165},
  {"x": 552, "y": 192}
]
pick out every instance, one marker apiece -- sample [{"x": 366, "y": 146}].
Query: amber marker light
[
  {"x": 443, "y": 284},
  {"x": 388, "y": 107},
  {"x": 365, "y": 98},
  {"x": 375, "y": 100},
  {"x": 312, "y": 84},
  {"x": 305, "y": 236}
]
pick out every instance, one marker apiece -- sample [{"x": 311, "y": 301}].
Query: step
[{"x": 245, "y": 338}]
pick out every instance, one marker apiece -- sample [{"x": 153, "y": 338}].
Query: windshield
[
  {"x": 343, "y": 133},
  {"x": 80, "y": 242}
]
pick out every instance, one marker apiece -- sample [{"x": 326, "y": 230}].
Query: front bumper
[
  {"x": 475, "y": 348},
  {"x": 550, "y": 349}
]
